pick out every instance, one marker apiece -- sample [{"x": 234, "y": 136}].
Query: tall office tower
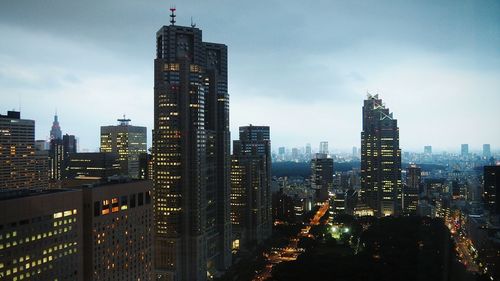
[
  {"x": 412, "y": 189},
  {"x": 118, "y": 231},
  {"x": 251, "y": 202},
  {"x": 491, "y": 193},
  {"x": 354, "y": 151},
  {"x": 128, "y": 142},
  {"x": 56, "y": 159},
  {"x": 464, "y": 149},
  {"x": 428, "y": 149},
  {"x": 308, "y": 151},
  {"x": 40, "y": 237},
  {"x": 17, "y": 151},
  {"x": 42, "y": 169},
  {"x": 59, "y": 151},
  {"x": 321, "y": 176},
  {"x": 55, "y": 130},
  {"x": 281, "y": 153},
  {"x": 380, "y": 158},
  {"x": 295, "y": 154},
  {"x": 323, "y": 147},
  {"x": 191, "y": 156},
  {"x": 486, "y": 151}
]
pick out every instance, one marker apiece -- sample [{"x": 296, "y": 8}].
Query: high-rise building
[
  {"x": 55, "y": 130},
  {"x": 412, "y": 189},
  {"x": 41, "y": 234},
  {"x": 464, "y": 149},
  {"x": 354, "y": 151},
  {"x": 281, "y": 153},
  {"x": 322, "y": 176},
  {"x": 380, "y": 158},
  {"x": 428, "y": 149},
  {"x": 308, "y": 151},
  {"x": 118, "y": 231},
  {"x": 323, "y": 147},
  {"x": 128, "y": 142},
  {"x": 251, "y": 201},
  {"x": 191, "y": 156},
  {"x": 486, "y": 151},
  {"x": 491, "y": 193},
  {"x": 17, "y": 151},
  {"x": 295, "y": 154}
]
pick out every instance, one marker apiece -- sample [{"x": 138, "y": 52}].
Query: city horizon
[{"x": 341, "y": 75}]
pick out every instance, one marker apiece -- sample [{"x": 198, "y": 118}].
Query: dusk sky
[{"x": 301, "y": 67}]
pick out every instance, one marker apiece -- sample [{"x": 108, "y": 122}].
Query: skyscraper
[
  {"x": 308, "y": 151},
  {"x": 128, "y": 142},
  {"x": 380, "y": 158},
  {"x": 428, "y": 149},
  {"x": 17, "y": 151},
  {"x": 323, "y": 147},
  {"x": 464, "y": 149},
  {"x": 190, "y": 155},
  {"x": 412, "y": 189},
  {"x": 322, "y": 176},
  {"x": 491, "y": 193},
  {"x": 251, "y": 213},
  {"x": 55, "y": 130},
  {"x": 486, "y": 151}
]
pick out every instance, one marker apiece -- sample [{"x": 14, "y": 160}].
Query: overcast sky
[{"x": 302, "y": 67}]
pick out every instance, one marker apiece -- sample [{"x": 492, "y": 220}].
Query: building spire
[{"x": 172, "y": 15}]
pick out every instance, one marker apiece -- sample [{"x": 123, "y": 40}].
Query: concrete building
[
  {"x": 17, "y": 152},
  {"x": 491, "y": 189},
  {"x": 251, "y": 200},
  {"x": 412, "y": 189},
  {"x": 128, "y": 142},
  {"x": 41, "y": 234},
  {"x": 191, "y": 157},
  {"x": 118, "y": 228},
  {"x": 380, "y": 159},
  {"x": 92, "y": 165},
  {"x": 321, "y": 176}
]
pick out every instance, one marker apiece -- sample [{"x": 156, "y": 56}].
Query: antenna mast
[{"x": 172, "y": 15}]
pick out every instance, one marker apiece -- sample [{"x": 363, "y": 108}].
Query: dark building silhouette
[
  {"x": 321, "y": 176},
  {"x": 191, "y": 157},
  {"x": 251, "y": 201},
  {"x": 380, "y": 158},
  {"x": 59, "y": 151},
  {"x": 491, "y": 193},
  {"x": 55, "y": 130},
  {"x": 412, "y": 189},
  {"x": 92, "y": 166},
  {"x": 17, "y": 152}
]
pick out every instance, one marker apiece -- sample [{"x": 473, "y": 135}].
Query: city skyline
[{"x": 437, "y": 67}]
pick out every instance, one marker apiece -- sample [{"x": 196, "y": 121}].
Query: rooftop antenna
[
  {"x": 172, "y": 16},
  {"x": 193, "y": 25},
  {"x": 124, "y": 121}
]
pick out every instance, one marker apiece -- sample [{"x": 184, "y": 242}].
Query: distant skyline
[{"x": 303, "y": 69}]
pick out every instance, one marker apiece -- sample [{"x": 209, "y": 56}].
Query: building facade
[
  {"x": 128, "y": 142},
  {"x": 321, "y": 176},
  {"x": 17, "y": 152},
  {"x": 412, "y": 189},
  {"x": 41, "y": 235},
  {"x": 190, "y": 156},
  {"x": 92, "y": 165},
  {"x": 491, "y": 189},
  {"x": 118, "y": 227},
  {"x": 251, "y": 200},
  {"x": 380, "y": 159}
]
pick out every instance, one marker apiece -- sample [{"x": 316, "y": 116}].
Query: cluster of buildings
[{"x": 179, "y": 212}]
